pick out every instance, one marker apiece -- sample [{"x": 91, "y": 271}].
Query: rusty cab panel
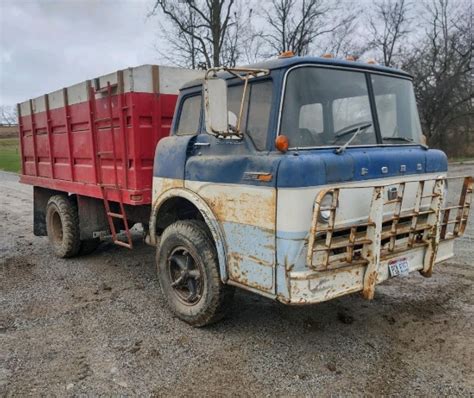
[{"x": 235, "y": 177}]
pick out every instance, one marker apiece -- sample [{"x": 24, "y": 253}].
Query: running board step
[
  {"x": 115, "y": 215},
  {"x": 123, "y": 244}
]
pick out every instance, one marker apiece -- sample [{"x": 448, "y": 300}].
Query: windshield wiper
[
  {"x": 405, "y": 139},
  {"x": 356, "y": 131}
]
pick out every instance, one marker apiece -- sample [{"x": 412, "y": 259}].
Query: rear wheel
[
  {"x": 189, "y": 275},
  {"x": 62, "y": 225}
]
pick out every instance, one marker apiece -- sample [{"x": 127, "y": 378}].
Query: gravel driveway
[{"x": 98, "y": 325}]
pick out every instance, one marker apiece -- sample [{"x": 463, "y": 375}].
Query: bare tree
[
  {"x": 442, "y": 75},
  {"x": 388, "y": 25},
  {"x": 345, "y": 41},
  {"x": 8, "y": 115},
  {"x": 295, "y": 25},
  {"x": 182, "y": 48},
  {"x": 239, "y": 41},
  {"x": 201, "y": 32}
]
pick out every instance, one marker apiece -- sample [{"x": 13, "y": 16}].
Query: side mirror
[{"x": 215, "y": 106}]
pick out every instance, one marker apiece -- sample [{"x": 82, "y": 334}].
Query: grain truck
[{"x": 300, "y": 179}]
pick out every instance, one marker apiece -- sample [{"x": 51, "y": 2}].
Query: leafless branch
[
  {"x": 200, "y": 32},
  {"x": 8, "y": 115}
]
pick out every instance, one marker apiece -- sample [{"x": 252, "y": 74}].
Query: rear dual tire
[{"x": 62, "y": 226}]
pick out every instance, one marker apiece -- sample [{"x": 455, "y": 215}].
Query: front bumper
[
  {"x": 346, "y": 257},
  {"x": 311, "y": 287}
]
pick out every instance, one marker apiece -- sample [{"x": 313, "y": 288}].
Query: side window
[
  {"x": 234, "y": 96},
  {"x": 311, "y": 118},
  {"x": 259, "y": 113},
  {"x": 256, "y": 111},
  {"x": 189, "y": 116}
]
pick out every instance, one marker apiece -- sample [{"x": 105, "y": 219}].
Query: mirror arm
[
  {"x": 236, "y": 71},
  {"x": 242, "y": 101},
  {"x": 243, "y": 74}
]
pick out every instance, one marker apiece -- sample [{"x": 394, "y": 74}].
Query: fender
[{"x": 208, "y": 216}]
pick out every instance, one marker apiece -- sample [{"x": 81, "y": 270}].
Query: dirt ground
[{"x": 98, "y": 325}]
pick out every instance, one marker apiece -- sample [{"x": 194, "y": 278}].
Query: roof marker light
[
  {"x": 327, "y": 55},
  {"x": 286, "y": 54}
]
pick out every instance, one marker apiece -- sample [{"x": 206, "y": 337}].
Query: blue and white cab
[{"x": 311, "y": 177}]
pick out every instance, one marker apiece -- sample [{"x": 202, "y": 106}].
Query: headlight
[{"x": 324, "y": 207}]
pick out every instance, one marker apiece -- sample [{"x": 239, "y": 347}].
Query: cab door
[{"x": 237, "y": 179}]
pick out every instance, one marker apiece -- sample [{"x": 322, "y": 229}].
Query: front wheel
[{"x": 188, "y": 272}]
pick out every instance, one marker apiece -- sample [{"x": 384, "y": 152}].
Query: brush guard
[{"x": 384, "y": 233}]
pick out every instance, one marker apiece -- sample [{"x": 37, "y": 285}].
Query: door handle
[{"x": 202, "y": 144}]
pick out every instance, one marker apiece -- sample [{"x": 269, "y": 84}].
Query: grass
[
  {"x": 9, "y": 154},
  {"x": 461, "y": 159}
]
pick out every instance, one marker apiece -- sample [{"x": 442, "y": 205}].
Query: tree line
[{"x": 430, "y": 39}]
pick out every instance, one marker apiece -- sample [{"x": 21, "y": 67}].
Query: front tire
[
  {"x": 62, "y": 225},
  {"x": 188, "y": 272}
]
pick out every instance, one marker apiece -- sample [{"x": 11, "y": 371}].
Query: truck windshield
[
  {"x": 329, "y": 107},
  {"x": 396, "y": 110}
]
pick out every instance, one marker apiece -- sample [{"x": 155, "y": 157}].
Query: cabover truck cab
[{"x": 301, "y": 179}]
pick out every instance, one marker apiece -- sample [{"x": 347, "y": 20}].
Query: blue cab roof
[{"x": 288, "y": 62}]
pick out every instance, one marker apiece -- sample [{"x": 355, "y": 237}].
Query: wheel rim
[
  {"x": 185, "y": 275},
  {"x": 57, "y": 227}
]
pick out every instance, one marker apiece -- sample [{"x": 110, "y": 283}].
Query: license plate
[{"x": 398, "y": 267}]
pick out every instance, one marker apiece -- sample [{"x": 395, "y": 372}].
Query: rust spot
[
  {"x": 259, "y": 261},
  {"x": 253, "y": 207},
  {"x": 161, "y": 185},
  {"x": 269, "y": 247},
  {"x": 369, "y": 286},
  {"x": 239, "y": 275},
  {"x": 428, "y": 273},
  {"x": 282, "y": 299},
  {"x": 234, "y": 267}
]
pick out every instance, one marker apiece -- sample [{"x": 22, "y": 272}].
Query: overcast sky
[{"x": 49, "y": 44}]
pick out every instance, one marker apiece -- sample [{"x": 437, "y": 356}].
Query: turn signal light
[
  {"x": 350, "y": 58},
  {"x": 327, "y": 55},
  {"x": 371, "y": 61},
  {"x": 281, "y": 143}
]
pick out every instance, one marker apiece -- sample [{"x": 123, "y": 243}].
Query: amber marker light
[
  {"x": 286, "y": 54},
  {"x": 281, "y": 143},
  {"x": 327, "y": 55},
  {"x": 265, "y": 177},
  {"x": 136, "y": 197},
  {"x": 371, "y": 61},
  {"x": 350, "y": 58}
]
